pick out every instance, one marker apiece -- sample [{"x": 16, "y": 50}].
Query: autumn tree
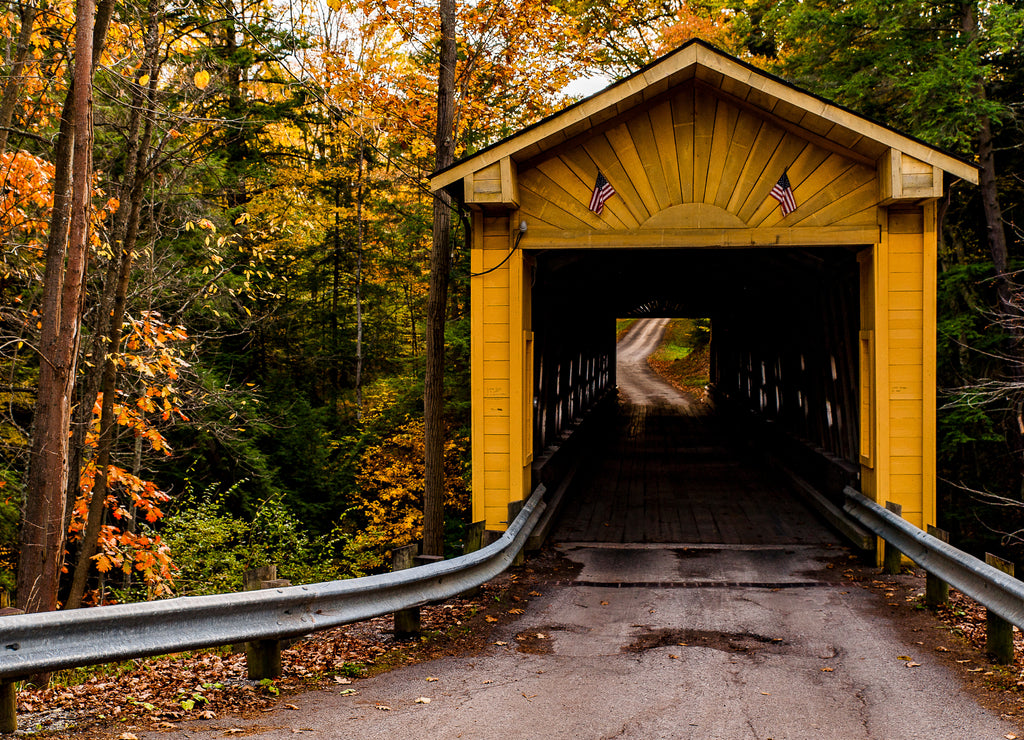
[{"x": 41, "y": 541}]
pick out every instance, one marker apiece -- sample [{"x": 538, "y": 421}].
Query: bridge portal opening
[{"x": 782, "y": 364}]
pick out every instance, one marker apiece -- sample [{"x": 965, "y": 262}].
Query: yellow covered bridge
[{"x": 823, "y": 315}]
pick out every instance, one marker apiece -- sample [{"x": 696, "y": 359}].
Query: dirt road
[
  {"x": 638, "y": 384},
  {"x": 696, "y": 640}
]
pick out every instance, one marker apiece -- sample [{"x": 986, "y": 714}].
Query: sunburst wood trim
[
  {"x": 664, "y": 131},
  {"x": 616, "y": 212},
  {"x": 626, "y": 153},
  {"x": 603, "y": 154}
]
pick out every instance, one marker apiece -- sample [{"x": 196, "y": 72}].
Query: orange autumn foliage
[{"x": 152, "y": 362}]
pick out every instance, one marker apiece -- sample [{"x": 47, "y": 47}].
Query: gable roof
[{"x": 788, "y": 105}]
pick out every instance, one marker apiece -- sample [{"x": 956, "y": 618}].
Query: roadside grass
[
  {"x": 683, "y": 358},
  {"x": 622, "y": 327}
]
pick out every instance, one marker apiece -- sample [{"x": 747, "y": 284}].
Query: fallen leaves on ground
[{"x": 214, "y": 683}]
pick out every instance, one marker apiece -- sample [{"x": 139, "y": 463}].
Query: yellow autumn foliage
[{"x": 390, "y": 494}]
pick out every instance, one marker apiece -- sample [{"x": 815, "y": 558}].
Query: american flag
[
  {"x": 602, "y": 192},
  {"x": 783, "y": 192}
]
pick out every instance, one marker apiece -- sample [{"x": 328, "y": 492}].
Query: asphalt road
[{"x": 668, "y": 641}]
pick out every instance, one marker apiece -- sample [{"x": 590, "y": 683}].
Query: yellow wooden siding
[
  {"x": 911, "y": 361},
  {"x": 697, "y": 147},
  {"x": 502, "y": 368},
  {"x": 492, "y": 418}
]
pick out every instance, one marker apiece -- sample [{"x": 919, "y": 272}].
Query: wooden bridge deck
[{"x": 670, "y": 475}]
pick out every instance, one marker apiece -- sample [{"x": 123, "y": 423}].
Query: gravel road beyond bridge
[{"x": 708, "y": 604}]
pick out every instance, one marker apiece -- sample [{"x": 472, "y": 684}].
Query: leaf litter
[{"x": 141, "y": 694}]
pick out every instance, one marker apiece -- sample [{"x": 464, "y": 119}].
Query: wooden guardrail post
[
  {"x": 407, "y": 621},
  {"x": 892, "y": 558},
  {"x": 514, "y": 508},
  {"x": 999, "y": 635},
  {"x": 936, "y": 590},
  {"x": 473, "y": 540},
  {"x": 263, "y": 657},
  {"x": 8, "y": 692}
]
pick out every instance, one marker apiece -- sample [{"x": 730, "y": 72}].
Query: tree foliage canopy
[{"x": 259, "y": 239}]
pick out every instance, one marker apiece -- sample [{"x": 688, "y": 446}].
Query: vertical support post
[
  {"x": 936, "y": 591},
  {"x": 262, "y": 657},
  {"x": 474, "y": 537},
  {"x": 892, "y": 558},
  {"x": 473, "y": 540},
  {"x": 999, "y": 636},
  {"x": 514, "y": 508},
  {"x": 407, "y": 621},
  {"x": 8, "y": 693}
]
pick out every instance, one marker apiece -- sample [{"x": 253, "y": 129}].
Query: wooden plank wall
[
  {"x": 908, "y": 411},
  {"x": 491, "y": 369},
  {"x": 697, "y": 146},
  {"x": 787, "y": 352},
  {"x": 573, "y": 367}
]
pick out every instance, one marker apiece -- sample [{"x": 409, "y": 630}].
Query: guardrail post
[
  {"x": 263, "y": 657},
  {"x": 936, "y": 590},
  {"x": 514, "y": 508},
  {"x": 892, "y": 558},
  {"x": 999, "y": 637},
  {"x": 474, "y": 537},
  {"x": 8, "y": 693},
  {"x": 473, "y": 541},
  {"x": 407, "y": 621}
]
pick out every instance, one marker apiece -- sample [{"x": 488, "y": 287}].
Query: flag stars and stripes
[
  {"x": 602, "y": 192},
  {"x": 783, "y": 192}
]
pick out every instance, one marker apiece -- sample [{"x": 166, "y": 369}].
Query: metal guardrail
[
  {"x": 43, "y": 642},
  {"x": 989, "y": 586}
]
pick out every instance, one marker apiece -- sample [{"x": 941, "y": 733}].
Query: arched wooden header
[{"x": 692, "y": 145}]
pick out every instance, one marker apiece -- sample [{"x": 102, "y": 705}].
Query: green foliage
[
  {"x": 214, "y": 548},
  {"x": 10, "y": 516},
  {"x": 622, "y": 327},
  {"x": 907, "y": 63}
]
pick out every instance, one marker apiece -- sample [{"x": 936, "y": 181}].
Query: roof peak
[{"x": 698, "y": 59}]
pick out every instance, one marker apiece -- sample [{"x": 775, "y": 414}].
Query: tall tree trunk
[
  {"x": 437, "y": 297},
  {"x": 359, "y": 279},
  {"x": 994, "y": 230},
  {"x": 41, "y": 540},
  {"x": 1009, "y": 311},
  {"x": 113, "y": 304}
]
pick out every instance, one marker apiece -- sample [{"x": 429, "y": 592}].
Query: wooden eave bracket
[
  {"x": 496, "y": 185},
  {"x": 906, "y": 179}
]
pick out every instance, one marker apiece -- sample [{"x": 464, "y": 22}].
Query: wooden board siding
[
  {"x": 695, "y": 147},
  {"x": 911, "y": 363},
  {"x": 501, "y": 364},
  {"x": 898, "y": 311},
  {"x": 490, "y": 373}
]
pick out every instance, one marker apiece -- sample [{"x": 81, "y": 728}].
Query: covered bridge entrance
[{"x": 823, "y": 319}]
